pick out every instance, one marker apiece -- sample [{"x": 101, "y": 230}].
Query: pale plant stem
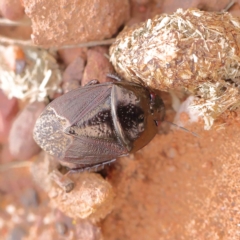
[
  {"x": 24, "y": 43},
  {"x": 7, "y": 166}
]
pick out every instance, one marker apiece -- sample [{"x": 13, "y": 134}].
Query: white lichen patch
[
  {"x": 195, "y": 50},
  {"x": 215, "y": 99},
  {"x": 40, "y": 78}
]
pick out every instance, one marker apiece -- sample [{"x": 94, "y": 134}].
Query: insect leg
[
  {"x": 114, "y": 76},
  {"x": 62, "y": 181},
  {"x": 93, "y": 168},
  {"x": 92, "y": 82}
]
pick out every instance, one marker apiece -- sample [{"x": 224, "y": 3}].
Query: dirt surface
[{"x": 178, "y": 187}]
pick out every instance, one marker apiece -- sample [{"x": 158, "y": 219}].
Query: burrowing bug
[{"x": 93, "y": 125}]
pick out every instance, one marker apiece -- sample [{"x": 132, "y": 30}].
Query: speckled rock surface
[
  {"x": 69, "y": 22},
  {"x": 91, "y": 197}
]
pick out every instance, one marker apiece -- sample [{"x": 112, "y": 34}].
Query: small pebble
[
  {"x": 29, "y": 198},
  {"x": 61, "y": 228},
  {"x": 10, "y": 209},
  {"x": 17, "y": 233},
  {"x": 91, "y": 198},
  {"x": 85, "y": 230},
  {"x": 69, "y": 55},
  {"x": 171, "y": 153},
  {"x": 15, "y": 58}
]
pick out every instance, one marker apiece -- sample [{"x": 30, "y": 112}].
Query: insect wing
[
  {"x": 50, "y": 127},
  {"x": 90, "y": 131},
  {"x": 76, "y": 104},
  {"x": 85, "y": 150}
]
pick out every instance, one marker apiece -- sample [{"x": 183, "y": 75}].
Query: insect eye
[
  {"x": 71, "y": 131},
  {"x": 141, "y": 117},
  {"x": 152, "y": 96}
]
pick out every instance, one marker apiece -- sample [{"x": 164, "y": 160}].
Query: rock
[
  {"x": 73, "y": 74},
  {"x": 68, "y": 55},
  {"x": 8, "y": 110},
  {"x": 91, "y": 198},
  {"x": 17, "y": 233},
  {"x": 15, "y": 58},
  {"x": 75, "y": 21},
  {"x": 21, "y": 142},
  {"x": 5, "y": 154},
  {"x": 98, "y": 65},
  {"x": 41, "y": 169},
  {"x": 163, "y": 54},
  {"x": 85, "y": 230},
  {"x": 61, "y": 228},
  {"x": 29, "y": 198},
  {"x": 10, "y": 12}
]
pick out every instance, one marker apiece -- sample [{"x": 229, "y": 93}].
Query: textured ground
[{"x": 177, "y": 187}]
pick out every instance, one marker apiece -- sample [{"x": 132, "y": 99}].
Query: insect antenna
[{"x": 182, "y": 128}]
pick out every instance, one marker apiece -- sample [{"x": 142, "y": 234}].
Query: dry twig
[
  {"x": 11, "y": 41},
  {"x": 6, "y": 40},
  {"x": 229, "y": 6},
  {"x": 7, "y": 166},
  {"x": 91, "y": 44},
  {"x": 7, "y": 22}
]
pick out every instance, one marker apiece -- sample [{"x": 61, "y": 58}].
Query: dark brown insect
[{"x": 93, "y": 125}]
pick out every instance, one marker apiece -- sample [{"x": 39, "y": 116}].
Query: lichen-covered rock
[
  {"x": 195, "y": 50},
  {"x": 57, "y": 23}
]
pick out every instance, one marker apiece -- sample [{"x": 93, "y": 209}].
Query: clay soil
[{"x": 178, "y": 187}]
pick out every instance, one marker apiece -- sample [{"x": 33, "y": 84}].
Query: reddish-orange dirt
[{"x": 179, "y": 187}]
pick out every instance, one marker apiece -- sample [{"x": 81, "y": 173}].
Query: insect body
[{"x": 97, "y": 123}]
